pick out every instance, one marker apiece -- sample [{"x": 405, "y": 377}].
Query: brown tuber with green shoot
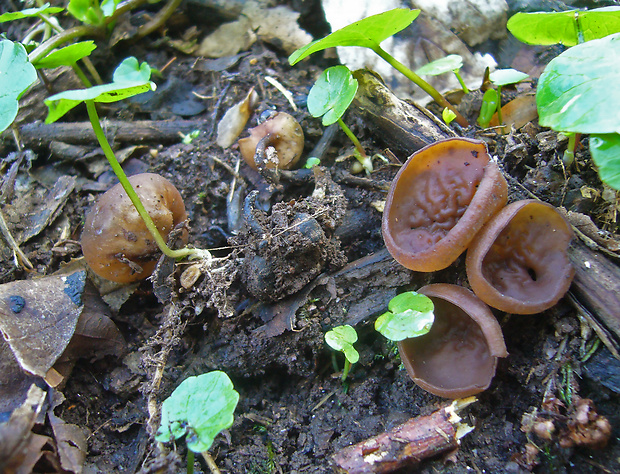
[
  {"x": 276, "y": 143},
  {"x": 116, "y": 243}
]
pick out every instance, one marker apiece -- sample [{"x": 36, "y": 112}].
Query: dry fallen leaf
[
  {"x": 20, "y": 448},
  {"x": 38, "y": 318}
]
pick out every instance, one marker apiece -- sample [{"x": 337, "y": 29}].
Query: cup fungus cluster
[
  {"x": 449, "y": 197},
  {"x": 116, "y": 243}
]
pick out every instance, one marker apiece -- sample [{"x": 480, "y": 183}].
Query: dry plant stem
[
  {"x": 159, "y": 19},
  {"x": 211, "y": 463},
  {"x": 20, "y": 256},
  {"x": 425, "y": 86},
  {"x": 406, "y": 445},
  {"x": 81, "y": 133}
]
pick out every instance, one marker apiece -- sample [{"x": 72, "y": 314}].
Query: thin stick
[{"x": 211, "y": 463}]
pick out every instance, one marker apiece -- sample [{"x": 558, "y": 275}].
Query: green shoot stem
[
  {"x": 569, "y": 154},
  {"x": 347, "y": 368},
  {"x": 67, "y": 35},
  {"x": 158, "y": 21},
  {"x": 362, "y": 158},
  {"x": 461, "y": 81},
  {"x": 133, "y": 196},
  {"x": 500, "y": 120},
  {"x": 190, "y": 461},
  {"x": 425, "y": 86}
]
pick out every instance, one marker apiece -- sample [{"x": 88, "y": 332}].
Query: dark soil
[{"x": 260, "y": 309}]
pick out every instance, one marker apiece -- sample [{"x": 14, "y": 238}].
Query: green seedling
[
  {"x": 342, "y": 338},
  {"x": 451, "y": 63},
  {"x": 199, "y": 409},
  {"x": 447, "y": 115},
  {"x": 92, "y": 12},
  {"x": 492, "y": 102},
  {"x": 330, "y": 97},
  {"x": 574, "y": 94},
  {"x": 16, "y": 75},
  {"x": 568, "y": 28},
  {"x": 409, "y": 315},
  {"x": 129, "y": 79},
  {"x": 370, "y": 33}
]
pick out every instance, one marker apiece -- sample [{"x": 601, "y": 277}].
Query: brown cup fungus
[
  {"x": 458, "y": 356},
  {"x": 116, "y": 243},
  {"x": 519, "y": 261},
  {"x": 439, "y": 199},
  {"x": 278, "y": 142}
]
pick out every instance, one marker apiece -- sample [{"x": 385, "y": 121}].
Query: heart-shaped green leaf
[
  {"x": 332, "y": 94},
  {"x": 368, "y": 33},
  {"x": 131, "y": 70},
  {"x": 576, "y": 91},
  {"x": 200, "y": 407},
  {"x": 16, "y": 75}
]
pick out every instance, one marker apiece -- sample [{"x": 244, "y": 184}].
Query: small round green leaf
[
  {"x": 503, "y": 77},
  {"x": 200, "y": 407},
  {"x": 368, "y": 33},
  {"x": 16, "y": 75},
  {"x": 605, "y": 151},
  {"x": 405, "y": 325},
  {"x": 410, "y": 315},
  {"x": 410, "y": 300},
  {"x": 341, "y": 338},
  {"x": 332, "y": 94},
  {"x": 577, "y": 93},
  {"x": 441, "y": 66}
]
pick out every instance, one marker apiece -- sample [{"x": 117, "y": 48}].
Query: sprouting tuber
[{"x": 116, "y": 243}]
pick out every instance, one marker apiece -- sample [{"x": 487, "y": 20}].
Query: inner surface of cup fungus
[
  {"x": 278, "y": 142},
  {"x": 519, "y": 261},
  {"x": 439, "y": 199},
  {"x": 458, "y": 356},
  {"x": 116, "y": 243}
]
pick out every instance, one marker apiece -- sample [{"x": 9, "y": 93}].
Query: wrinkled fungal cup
[
  {"x": 439, "y": 199},
  {"x": 458, "y": 356},
  {"x": 519, "y": 261},
  {"x": 116, "y": 243}
]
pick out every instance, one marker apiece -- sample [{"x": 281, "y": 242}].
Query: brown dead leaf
[
  {"x": 70, "y": 439},
  {"x": 14, "y": 383},
  {"x": 38, "y": 318},
  {"x": 20, "y": 449}
]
